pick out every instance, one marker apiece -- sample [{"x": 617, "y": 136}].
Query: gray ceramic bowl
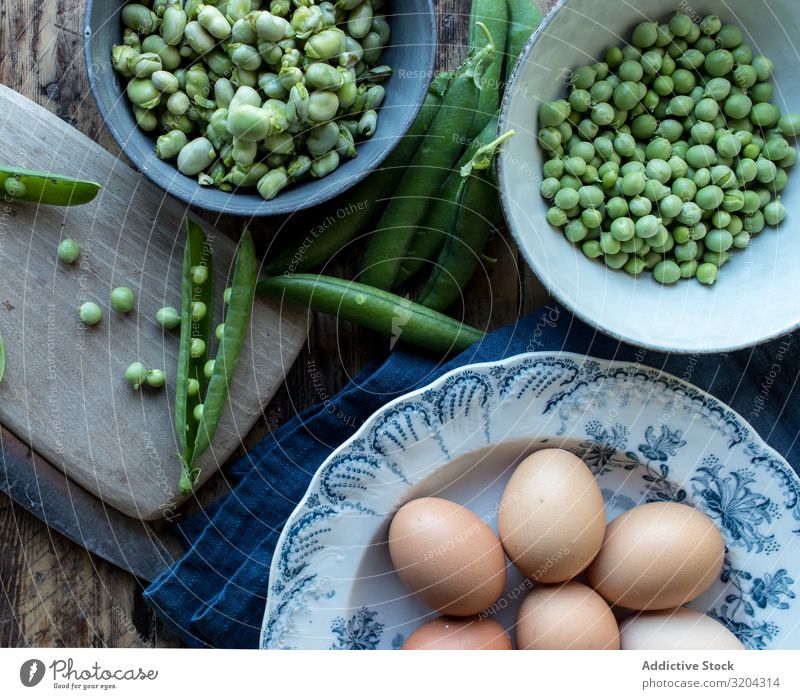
[
  {"x": 756, "y": 297},
  {"x": 412, "y": 53}
]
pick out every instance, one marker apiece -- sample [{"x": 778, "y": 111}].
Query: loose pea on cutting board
[{"x": 64, "y": 390}]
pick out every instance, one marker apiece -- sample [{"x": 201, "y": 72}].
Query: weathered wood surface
[{"x": 52, "y": 593}]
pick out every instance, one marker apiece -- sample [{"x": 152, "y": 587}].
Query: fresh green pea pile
[
  {"x": 255, "y": 94},
  {"x": 669, "y": 154}
]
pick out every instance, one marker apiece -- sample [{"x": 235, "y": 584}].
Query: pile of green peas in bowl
[{"x": 668, "y": 155}]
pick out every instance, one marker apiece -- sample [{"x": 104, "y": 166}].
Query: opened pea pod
[{"x": 45, "y": 188}]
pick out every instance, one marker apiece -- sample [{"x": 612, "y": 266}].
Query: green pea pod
[
  {"x": 373, "y": 308},
  {"x": 2, "y": 358},
  {"x": 364, "y": 202},
  {"x": 441, "y": 218},
  {"x": 237, "y": 320},
  {"x": 196, "y": 253},
  {"x": 46, "y": 188},
  {"x": 524, "y": 17},
  {"x": 477, "y": 209},
  {"x": 494, "y": 14},
  {"x": 427, "y": 172}
]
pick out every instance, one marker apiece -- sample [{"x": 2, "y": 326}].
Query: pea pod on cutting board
[
  {"x": 237, "y": 320},
  {"x": 45, "y": 188},
  {"x": 367, "y": 200},
  {"x": 373, "y": 308},
  {"x": 428, "y": 171},
  {"x": 441, "y": 217},
  {"x": 493, "y": 14},
  {"x": 477, "y": 208},
  {"x": 193, "y": 350},
  {"x": 524, "y": 16}
]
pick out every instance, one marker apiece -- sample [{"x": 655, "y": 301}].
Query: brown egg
[
  {"x": 657, "y": 556},
  {"x": 566, "y": 617},
  {"x": 447, "y": 556},
  {"x": 458, "y": 633},
  {"x": 552, "y": 516},
  {"x": 676, "y": 629}
]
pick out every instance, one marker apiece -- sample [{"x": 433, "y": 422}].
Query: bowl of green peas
[
  {"x": 258, "y": 107},
  {"x": 650, "y": 185}
]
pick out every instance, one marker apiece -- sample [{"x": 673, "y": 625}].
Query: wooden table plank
[{"x": 52, "y": 593}]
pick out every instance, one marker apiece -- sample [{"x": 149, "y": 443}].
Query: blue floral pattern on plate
[{"x": 647, "y": 437}]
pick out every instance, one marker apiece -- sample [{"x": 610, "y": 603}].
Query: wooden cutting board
[{"x": 64, "y": 391}]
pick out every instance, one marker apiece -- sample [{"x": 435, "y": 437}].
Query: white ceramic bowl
[
  {"x": 756, "y": 296},
  {"x": 647, "y": 437}
]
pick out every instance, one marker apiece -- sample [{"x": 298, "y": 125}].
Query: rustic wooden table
[{"x": 53, "y": 592}]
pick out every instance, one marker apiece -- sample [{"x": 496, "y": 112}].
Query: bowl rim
[
  {"x": 264, "y": 208},
  {"x": 506, "y": 205}
]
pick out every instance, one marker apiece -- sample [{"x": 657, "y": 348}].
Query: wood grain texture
[{"x": 40, "y": 56}]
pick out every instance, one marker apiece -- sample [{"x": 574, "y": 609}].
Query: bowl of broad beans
[
  {"x": 651, "y": 185},
  {"x": 258, "y": 107}
]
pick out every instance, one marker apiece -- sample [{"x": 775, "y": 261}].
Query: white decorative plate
[{"x": 646, "y": 435}]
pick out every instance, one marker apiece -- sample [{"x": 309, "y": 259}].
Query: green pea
[
  {"x": 718, "y": 240},
  {"x": 668, "y": 65},
  {"x": 556, "y": 217},
  {"x": 654, "y": 190},
  {"x": 698, "y": 231},
  {"x": 551, "y": 114},
  {"x": 603, "y": 114},
  {"x": 790, "y": 159},
  {"x": 604, "y": 146},
  {"x": 602, "y": 91},
  {"x": 625, "y": 144},
  {"x": 90, "y": 313},
  {"x": 752, "y": 202},
  {"x": 645, "y": 35},
  {"x": 776, "y": 149},
  {"x": 553, "y": 168},
  {"x": 623, "y": 229},
  {"x": 690, "y": 214},
  {"x": 702, "y": 177},
  {"x": 617, "y": 208},
  {"x": 781, "y": 180},
  {"x": 751, "y": 151},
  {"x": 592, "y": 249},
  {"x": 703, "y": 133},
  {"x": 647, "y": 226},
  {"x": 652, "y": 62},
  {"x": 608, "y": 244},
  {"x": 549, "y": 139},
  {"x": 617, "y": 260},
  {"x": 662, "y": 241},
  {"x": 136, "y": 375},
  {"x": 707, "y": 273},
  {"x": 633, "y": 184},
  {"x": 789, "y": 124},
  {"x": 591, "y": 197},
  {"x": 626, "y": 95},
  {"x": 765, "y": 115},
  {"x": 588, "y": 130},
  {"x": 671, "y": 130},
  {"x": 613, "y": 57},
  {"x": 684, "y": 188},
  {"x": 549, "y": 187},
  {"x": 728, "y": 145},
  {"x": 738, "y": 106},
  {"x": 680, "y": 24},
  {"x": 663, "y": 85},
  {"x": 700, "y": 156},
  {"x": 742, "y": 54},
  {"x": 754, "y": 223},
  {"x": 651, "y": 259},
  {"x": 706, "y": 109},
  {"x": 592, "y": 218},
  {"x": 719, "y": 63},
  {"x": 122, "y": 299},
  {"x": 766, "y": 170},
  {"x": 68, "y": 251},
  {"x": 570, "y": 181},
  {"x": 168, "y": 317},
  {"x": 734, "y": 201},
  {"x": 681, "y": 105},
  {"x": 584, "y": 77},
  {"x": 575, "y": 166},
  {"x": 734, "y": 226},
  {"x": 723, "y": 176},
  {"x": 764, "y": 67},
  {"x": 670, "y": 206},
  {"x": 677, "y": 48},
  {"x": 566, "y": 198},
  {"x": 580, "y": 100},
  {"x": 686, "y": 251},
  {"x": 718, "y": 89},
  {"x": 644, "y": 126},
  {"x": 634, "y": 265},
  {"x": 666, "y": 272},
  {"x": 640, "y": 206},
  {"x": 774, "y": 212},
  {"x": 680, "y": 234},
  {"x": 688, "y": 269}
]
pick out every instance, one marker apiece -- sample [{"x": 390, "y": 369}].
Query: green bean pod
[
  {"x": 196, "y": 253},
  {"x": 494, "y": 14},
  {"x": 427, "y": 172},
  {"x": 373, "y": 308},
  {"x": 2, "y": 358},
  {"x": 524, "y": 17},
  {"x": 45, "y": 188},
  {"x": 477, "y": 212},
  {"x": 237, "y": 321},
  {"x": 367, "y": 200},
  {"x": 442, "y": 216}
]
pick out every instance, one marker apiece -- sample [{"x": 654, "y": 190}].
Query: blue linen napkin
[{"x": 215, "y": 595}]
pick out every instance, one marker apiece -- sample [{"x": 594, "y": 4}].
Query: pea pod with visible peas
[
  {"x": 367, "y": 200},
  {"x": 194, "y": 337},
  {"x": 237, "y": 320},
  {"x": 477, "y": 206},
  {"x": 44, "y": 188},
  {"x": 427, "y": 171},
  {"x": 373, "y": 308}
]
